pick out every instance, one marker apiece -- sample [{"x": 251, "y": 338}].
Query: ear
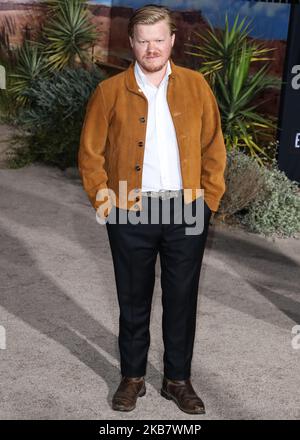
[
  {"x": 131, "y": 41},
  {"x": 173, "y": 39}
]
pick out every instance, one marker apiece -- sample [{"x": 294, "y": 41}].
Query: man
[{"x": 153, "y": 134}]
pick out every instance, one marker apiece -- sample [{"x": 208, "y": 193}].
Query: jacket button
[
  {"x": 137, "y": 167},
  {"x": 142, "y": 119},
  {"x": 141, "y": 143},
  {"x": 137, "y": 199}
]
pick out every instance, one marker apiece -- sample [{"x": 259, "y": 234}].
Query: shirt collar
[{"x": 141, "y": 77}]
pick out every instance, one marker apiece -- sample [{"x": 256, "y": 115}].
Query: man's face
[{"x": 152, "y": 45}]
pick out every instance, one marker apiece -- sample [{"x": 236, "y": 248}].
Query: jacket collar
[{"x": 130, "y": 76}]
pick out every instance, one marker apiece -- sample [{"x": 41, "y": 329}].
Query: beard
[{"x": 153, "y": 65}]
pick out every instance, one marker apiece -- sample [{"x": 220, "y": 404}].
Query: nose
[{"x": 151, "y": 45}]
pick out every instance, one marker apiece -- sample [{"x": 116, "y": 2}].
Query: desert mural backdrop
[{"x": 269, "y": 26}]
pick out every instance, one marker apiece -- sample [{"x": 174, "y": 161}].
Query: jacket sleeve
[
  {"x": 213, "y": 151},
  {"x": 91, "y": 155}
]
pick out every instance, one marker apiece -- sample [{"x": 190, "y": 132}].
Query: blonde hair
[{"x": 151, "y": 14}]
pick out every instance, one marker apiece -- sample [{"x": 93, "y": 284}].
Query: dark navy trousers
[{"x": 134, "y": 249}]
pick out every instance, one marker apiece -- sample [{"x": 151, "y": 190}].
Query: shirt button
[
  {"x": 137, "y": 167},
  {"x": 141, "y": 143},
  {"x": 136, "y": 206},
  {"x": 142, "y": 119},
  {"x": 136, "y": 190}
]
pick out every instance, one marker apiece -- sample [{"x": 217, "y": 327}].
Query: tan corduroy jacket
[{"x": 113, "y": 137}]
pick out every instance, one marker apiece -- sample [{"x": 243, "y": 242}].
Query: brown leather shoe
[
  {"x": 128, "y": 391},
  {"x": 183, "y": 394}
]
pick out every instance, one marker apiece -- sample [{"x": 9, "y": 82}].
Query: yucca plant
[
  {"x": 227, "y": 56},
  {"x": 68, "y": 33},
  {"x": 30, "y": 66},
  {"x": 219, "y": 47},
  {"x": 243, "y": 127}
]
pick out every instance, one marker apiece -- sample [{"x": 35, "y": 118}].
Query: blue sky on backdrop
[{"x": 270, "y": 20}]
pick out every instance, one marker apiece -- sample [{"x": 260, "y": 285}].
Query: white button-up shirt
[{"x": 161, "y": 166}]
